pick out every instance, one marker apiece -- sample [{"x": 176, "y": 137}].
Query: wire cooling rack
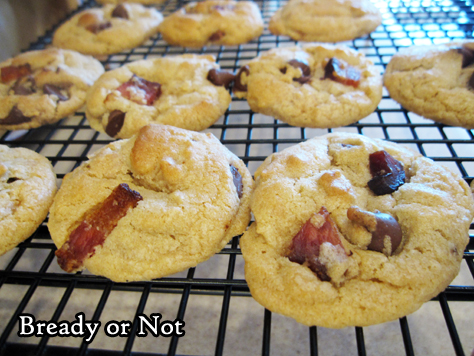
[{"x": 213, "y": 299}]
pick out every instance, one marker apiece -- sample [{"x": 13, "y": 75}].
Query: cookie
[
  {"x": 315, "y": 85},
  {"x": 213, "y": 23},
  {"x": 175, "y": 90},
  {"x": 108, "y": 29},
  {"x": 41, "y": 87},
  {"x": 435, "y": 82},
  {"x": 351, "y": 231},
  {"x": 28, "y": 185},
  {"x": 325, "y": 21},
  {"x": 179, "y": 196}
]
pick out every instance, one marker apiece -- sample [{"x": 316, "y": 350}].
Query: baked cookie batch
[{"x": 348, "y": 231}]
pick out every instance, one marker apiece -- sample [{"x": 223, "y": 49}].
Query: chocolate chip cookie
[
  {"x": 325, "y": 21},
  {"x": 313, "y": 85},
  {"x": 41, "y": 87},
  {"x": 108, "y": 29},
  {"x": 435, "y": 82},
  {"x": 187, "y": 91},
  {"x": 28, "y": 185},
  {"x": 351, "y": 231},
  {"x": 213, "y": 22},
  {"x": 149, "y": 206}
]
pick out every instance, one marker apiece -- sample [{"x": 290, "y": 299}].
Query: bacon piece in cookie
[
  {"x": 140, "y": 91},
  {"x": 388, "y": 173},
  {"x": 306, "y": 245},
  {"x": 10, "y": 73},
  {"x": 98, "y": 223},
  {"x": 341, "y": 72}
]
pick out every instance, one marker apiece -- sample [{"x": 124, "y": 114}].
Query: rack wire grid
[{"x": 213, "y": 298}]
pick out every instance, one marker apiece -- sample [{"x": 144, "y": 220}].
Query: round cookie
[
  {"x": 41, "y": 87},
  {"x": 188, "y": 197},
  {"x": 213, "y": 23},
  {"x": 28, "y": 185},
  {"x": 327, "y": 250},
  {"x": 108, "y": 29},
  {"x": 171, "y": 90},
  {"x": 315, "y": 85},
  {"x": 325, "y": 21},
  {"x": 435, "y": 81}
]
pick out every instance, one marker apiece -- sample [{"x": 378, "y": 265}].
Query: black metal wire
[{"x": 405, "y": 23}]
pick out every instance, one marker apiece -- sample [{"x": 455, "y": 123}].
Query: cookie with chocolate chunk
[
  {"x": 351, "y": 231},
  {"x": 150, "y": 206},
  {"x": 325, "y": 21},
  {"x": 41, "y": 87},
  {"x": 315, "y": 85},
  {"x": 187, "y": 91},
  {"x": 28, "y": 185},
  {"x": 108, "y": 29},
  {"x": 436, "y": 82},
  {"x": 213, "y": 22}
]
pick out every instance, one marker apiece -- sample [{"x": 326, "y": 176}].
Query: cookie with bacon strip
[
  {"x": 316, "y": 85},
  {"x": 42, "y": 87},
  {"x": 108, "y": 29},
  {"x": 353, "y": 231},
  {"x": 150, "y": 206},
  {"x": 187, "y": 91},
  {"x": 27, "y": 188}
]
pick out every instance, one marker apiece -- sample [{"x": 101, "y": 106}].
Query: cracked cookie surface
[
  {"x": 190, "y": 203},
  {"x": 213, "y": 22},
  {"x": 296, "y": 85},
  {"x": 435, "y": 82},
  {"x": 108, "y": 29},
  {"x": 325, "y": 21},
  {"x": 343, "y": 279},
  {"x": 178, "y": 93},
  {"x": 28, "y": 185},
  {"x": 41, "y": 87}
]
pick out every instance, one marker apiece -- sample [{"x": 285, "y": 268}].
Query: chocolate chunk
[
  {"x": 238, "y": 86},
  {"x": 51, "y": 89},
  {"x": 385, "y": 230},
  {"x": 97, "y": 27},
  {"x": 12, "y": 179},
  {"x": 216, "y": 36},
  {"x": 115, "y": 123},
  {"x": 237, "y": 178},
  {"x": 341, "y": 72},
  {"x": 305, "y": 70},
  {"x": 120, "y": 11},
  {"x": 24, "y": 86},
  {"x": 220, "y": 77},
  {"x": 467, "y": 55},
  {"x": 388, "y": 173},
  {"x": 15, "y": 117}
]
